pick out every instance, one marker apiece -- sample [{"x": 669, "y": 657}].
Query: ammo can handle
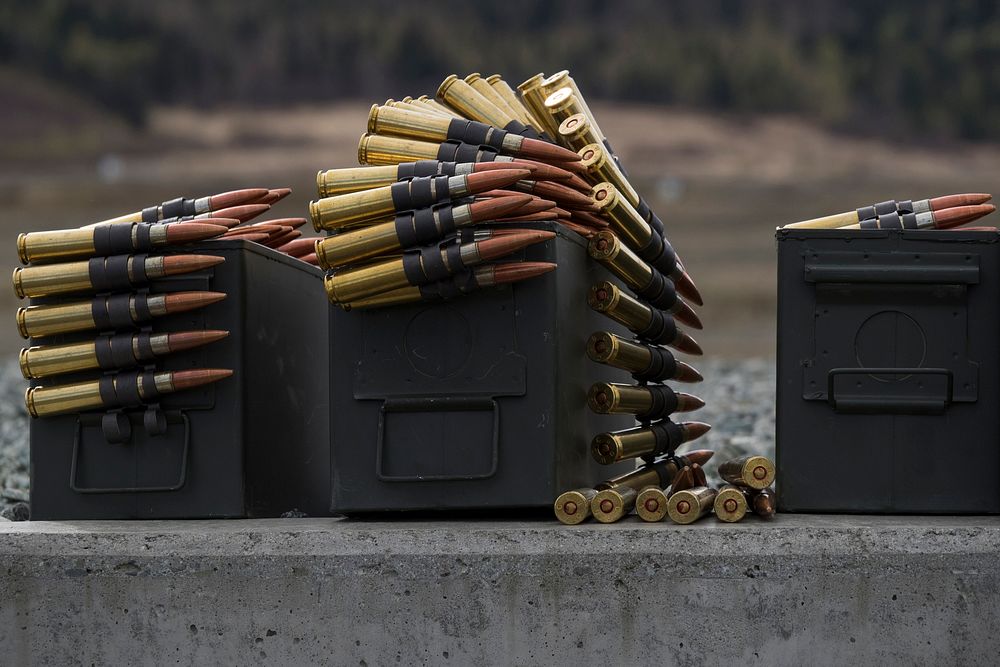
[
  {"x": 181, "y": 480},
  {"x": 889, "y": 404},
  {"x": 437, "y": 404},
  {"x": 893, "y": 267}
]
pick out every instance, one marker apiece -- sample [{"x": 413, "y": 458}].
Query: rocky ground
[{"x": 739, "y": 397}]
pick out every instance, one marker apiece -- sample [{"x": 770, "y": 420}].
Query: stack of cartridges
[
  {"x": 451, "y": 187},
  {"x": 93, "y": 320},
  {"x": 945, "y": 212}
]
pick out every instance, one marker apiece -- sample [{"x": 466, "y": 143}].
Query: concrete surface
[{"x": 799, "y": 590}]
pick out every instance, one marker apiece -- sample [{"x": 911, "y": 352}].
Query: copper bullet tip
[
  {"x": 518, "y": 271},
  {"x": 242, "y": 213},
  {"x": 179, "y": 302},
  {"x": 688, "y": 402},
  {"x": 299, "y": 247},
  {"x": 501, "y": 246},
  {"x": 563, "y": 195},
  {"x": 546, "y": 152},
  {"x": 685, "y": 314},
  {"x": 294, "y": 223},
  {"x": 228, "y": 223},
  {"x": 544, "y": 172},
  {"x": 698, "y": 473},
  {"x": 182, "y": 380},
  {"x": 965, "y": 199},
  {"x": 186, "y": 340},
  {"x": 311, "y": 258},
  {"x": 190, "y": 232},
  {"x": 687, "y": 373},
  {"x": 478, "y": 167},
  {"x": 699, "y": 456},
  {"x": 259, "y": 237},
  {"x": 490, "y": 209},
  {"x": 959, "y": 215},
  {"x": 177, "y": 264},
  {"x": 686, "y": 287},
  {"x": 682, "y": 480},
  {"x": 694, "y": 430},
  {"x": 490, "y": 180},
  {"x": 541, "y": 216},
  {"x": 274, "y": 195},
  {"x": 235, "y": 198},
  {"x": 683, "y": 342}
]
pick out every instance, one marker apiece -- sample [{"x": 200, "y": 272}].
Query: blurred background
[{"x": 732, "y": 117}]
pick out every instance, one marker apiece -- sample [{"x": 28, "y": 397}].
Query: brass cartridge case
[
  {"x": 423, "y": 107},
  {"x": 624, "y": 219},
  {"x": 375, "y": 149},
  {"x": 573, "y": 507},
  {"x": 607, "y": 298},
  {"x": 609, "y": 398},
  {"x": 689, "y": 505},
  {"x": 431, "y": 103},
  {"x": 533, "y": 97},
  {"x": 48, "y": 246},
  {"x": 636, "y": 479},
  {"x": 513, "y": 101},
  {"x": 409, "y": 123},
  {"x": 470, "y": 102},
  {"x": 563, "y": 79},
  {"x": 332, "y": 182},
  {"x": 651, "y": 504},
  {"x": 610, "y": 505},
  {"x": 38, "y": 321},
  {"x": 560, "y": 105},
  {"x": 606, "y": 348},
  {"x": 357, "y": 245},
  {"x": 340, "y": 210},
  {"x": 602, "y": 168},
  {"x": 486, "y": 90},
  {"x": 365, "y": 281},
  {"x": 755, "y": 472},
  {"x": 61, "y": 399},
  {"x": 372, "y": 241},
  {"x": 620, "y": 260},
  {"x": 576, "y": 132},
  {"x": 608, "y": 448},
  {"x": 51, "y": 279},
  {"x": 731, "y": 504},
  {"x": 45, "y": 361}
]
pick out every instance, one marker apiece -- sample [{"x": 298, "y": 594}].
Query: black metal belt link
[{"x": 419, "y": 192}]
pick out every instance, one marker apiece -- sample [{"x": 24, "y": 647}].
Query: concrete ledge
[{"x": 801, "y": 589}]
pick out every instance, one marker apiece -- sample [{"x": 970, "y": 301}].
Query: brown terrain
[{"x": 720, "y": 184}]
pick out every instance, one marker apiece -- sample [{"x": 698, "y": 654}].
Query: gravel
[{"x": 739, "y": 398}]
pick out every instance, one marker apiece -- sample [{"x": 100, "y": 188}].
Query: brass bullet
[{"x": 755, "y": 472}]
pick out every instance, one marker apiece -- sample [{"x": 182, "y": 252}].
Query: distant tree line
[{"x": 903, "y": 68}]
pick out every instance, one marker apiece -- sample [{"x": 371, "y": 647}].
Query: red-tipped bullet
[
  {"x": 693, "y": 431},
  {"x": 966, "y": 199},
  {"x": 273, "y": 196},
  {"x": 242, "y": 213},
  {"x": 541, "y": 171},
  {"x": 228, "y": 223},
  {"x": 534, "y": 205},
  {"x": 512, "y": 272},
  {"x": 562, "y": 195},
  {"x": 181, "y": 380},
  {"x": 684, "y": 314},
  {"x": 483, "y": 181},
  {"x": 235, "y": 198},
  {"x": 960, "y": 215},
  {"x": 496, "y": 207},
  {"x": 179, "y": 302},
  {"x": 688, "y": 402},
  {"x": 543, "y": 151},
  {"x": 686, "y": 287},
  {"x": 501, "y": 246},
  {"x": 515, "y": 164},
  {"x": 177, "y": 264},
  {"x": 687, "y": 373},
  {"x": 179, "y": 233},
  {"x": 299, "y": 247},
  {"x": 294, "y": 223},
  {"x": 186, "y": 340}
]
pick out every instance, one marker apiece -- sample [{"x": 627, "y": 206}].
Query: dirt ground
[{"x": 720, "y": 184}]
